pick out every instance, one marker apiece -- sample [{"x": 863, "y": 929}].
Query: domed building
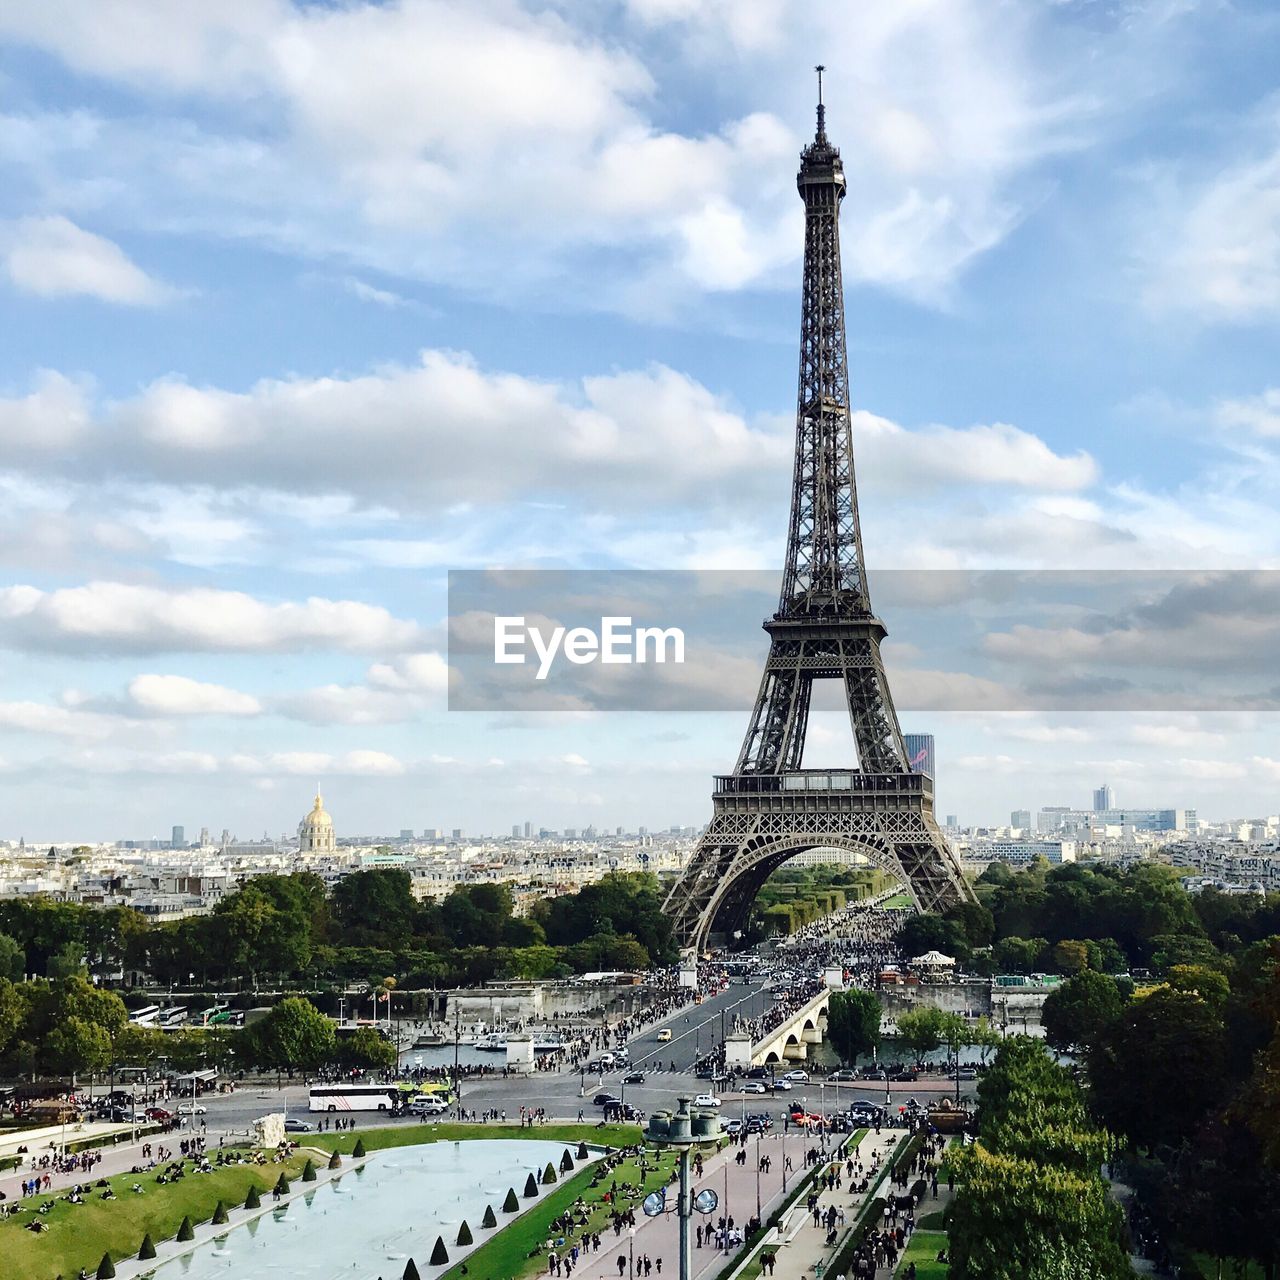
[{"x": 315, "y": 831}]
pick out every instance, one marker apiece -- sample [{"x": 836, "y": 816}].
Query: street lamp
[{"x": 682, "y": 1131}]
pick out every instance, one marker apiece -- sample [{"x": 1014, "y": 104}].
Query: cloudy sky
[{"x": 306, "y": 304}]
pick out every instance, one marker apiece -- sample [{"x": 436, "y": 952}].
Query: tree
[
  {"x": 366, "y": 1049},
  {"x": 1082, "y": 1011},
  {"x": 294, "y": 1035},
  {"x": 13, "y": 960},
  {"x": 921, "y": 933},
  {"x": 921, "y": 1029},
  {"x": 1160, "y": 1070},
  {"x": 1018, "y": 955},
  {"x": 853, "y": 1023}
]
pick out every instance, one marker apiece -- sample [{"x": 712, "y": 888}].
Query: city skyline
[{"x": 225, "y": 558}]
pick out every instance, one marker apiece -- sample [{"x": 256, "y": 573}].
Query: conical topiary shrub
[
  {"x": 490, "y": 1219},
  {"x": 147, "y": 1248},
  {"x": 106, "y": 1268},
  {"x": 566, "y": 1161},
  {"x": 185, "y": 1232},
  {"x": 219, "y": 1215},
  {"x": 282, "y": 1184},
  {"x": 253, "y": 1200},
  {"x": 583, "y": 1153},
  {"x": 549, "y": 1174},
  {"x": 464, "y": 1234},
  {"x": 530, "y": 1186},
  {"x": 358, "y": 1149},
  {"x": 439, "y": 1255},
  {"x": 335, "y": 1161},
  {"x": 510, "y": 1204},
  {"x": 308, "y": 1172},
  {"x": 411, "y": 1271}
]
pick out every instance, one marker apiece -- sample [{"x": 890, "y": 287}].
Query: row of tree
[
  {"x": 68, "y": 1027},
  {"x": 793, "y": 897},
  {"x": 1187, "y": 1072},
  {"x": 1073, "y": 917},
  {"x": 290, "y": 929},
  {"x": 1031, "y": 1203}
]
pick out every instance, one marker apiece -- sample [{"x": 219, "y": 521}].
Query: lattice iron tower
[{"x": 769, "y": 808}]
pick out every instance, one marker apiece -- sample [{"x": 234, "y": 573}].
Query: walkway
[{"x": 659, "y": 1238}]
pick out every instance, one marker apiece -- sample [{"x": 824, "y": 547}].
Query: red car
[{"x": 159, "y": 1113}]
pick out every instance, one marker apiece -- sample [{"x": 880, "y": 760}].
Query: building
[
  {"x": 528, "y": 830},
  {"x": 1103, "y": 799},
  {"x": 515, "y": 831},
  {"x": 315, "y": 831},
  {"x": 1016, "y": 853},
  {"x": 920, "y": 753},
  {"x": 178, "y": 839},
  {"x": 1020, "y": 819}
]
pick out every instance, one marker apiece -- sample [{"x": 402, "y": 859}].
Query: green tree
[
  {"x": 13, "y": 960},
  {"x": 921, "y": 1029},
  {"x": 1082, "y": 1011},
  {"x": 853, "y": 1023},
  {"x": 1159, "y": 1072},
  {"x": 295, "y": 1035},
  {"x": 366, "y": 1049}
]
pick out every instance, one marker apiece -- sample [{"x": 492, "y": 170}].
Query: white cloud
[
  {"x": 169, "y": 695},
  {"x": 115, "y": 617},
  {"x": 62, "y": 722},
  {"x": 377, "y": 133},
  {"x": 53, "y": 258},
  {"x": 1258, "y": 415},
  {"x": 1213, "y": 243}
]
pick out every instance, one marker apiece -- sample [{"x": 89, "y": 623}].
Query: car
[
  {"x": 759, "y": 1124},
  {"x": 758, "y": 1073},
  {"x": 904, "y": 1075},
  {"x": 754, "y": 1086},
  {"x": 800, "y": 1077},
  {"x": 192, "y": 1109},
  {"x": 605, "y": 1100},
  {"x": 664, "y": 1035},
  {"x": 784, "y": 1085},
  {"x": 426, "y": 1105},
  {"x": 296, "y": 1126},
  {"x": 966, "y": 1073},
  {"x": 733, "y": 1127},
  {"x": 633, "y": 1077},
  {"x": 706, "y": 1100},
  {"x": 622, "y": 1111},
  {"x": 159, "y": 1113},
  {"x": 843, "y": 1076}
]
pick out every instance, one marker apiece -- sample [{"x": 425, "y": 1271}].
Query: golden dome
[{"x": 315, "y": 831}]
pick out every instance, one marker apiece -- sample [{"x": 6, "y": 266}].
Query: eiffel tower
[{"x": 769, "y": 808}]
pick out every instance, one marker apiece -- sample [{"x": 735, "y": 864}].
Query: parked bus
[
  {"x": 355, "y": 1097},
  {"x": 144, "y": 1017}
]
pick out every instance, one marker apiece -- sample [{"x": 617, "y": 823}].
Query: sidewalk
[
  {"x": 735, "y": 1185},
  {"x": 804, "y": 1244}
]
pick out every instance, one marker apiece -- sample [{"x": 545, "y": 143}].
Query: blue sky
[{"x": 306, "y": 304}]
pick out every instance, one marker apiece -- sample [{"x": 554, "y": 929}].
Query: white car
[
  {"x": 755, "y": 1086},
  {"x": 783, "y": 1084},
  {"x": 428, "y": 1106},
  {"x": 706, "y": 1100},
  {"x": 800, "y": 1077},
  {"x": 192, "y": 1109}
]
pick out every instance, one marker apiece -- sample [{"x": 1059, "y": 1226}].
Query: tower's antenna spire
[{"x": 822, "y": 111}]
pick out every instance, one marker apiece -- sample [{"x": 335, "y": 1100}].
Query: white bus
[
  {"x": 355, "y": 1097},
  {"x": 144, "y": 1017}
]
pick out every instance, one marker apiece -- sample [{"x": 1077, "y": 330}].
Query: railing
[{"x": 825, "y": 780}]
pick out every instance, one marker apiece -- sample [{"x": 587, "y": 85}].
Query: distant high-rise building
[
  {"x": 457, "y": 833},
  {"x": 179, "y": 838},
  {"x": 618, "y": 832},
  {"x": 204, "y": 837},
  {"x": 1021, "y": 819},
  {"x": 406, "y": 833},
  {"x": 515, "y": 831},
  {"x": 953, "y": 823},
  {"x": 644, "y": 831},
  {"x": 1103, "y": 798},
  {"x": 920, "y": 752},
  {"x": 528, "y": 830},
  {"x": 431, "y": 833},
  {"x": 571, "y": 833}
]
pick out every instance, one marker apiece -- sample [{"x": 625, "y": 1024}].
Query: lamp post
[{"x": 682, "y": 1131}]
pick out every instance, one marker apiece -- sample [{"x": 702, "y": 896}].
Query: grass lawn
[
  {"x": 931, "y": 1221},
  {"x": 507, "y": 1254},
  {"x": 412, "y": 1135},
  {"x": 79, "y": 1235},
  {"x": 898, "y": 900},
  {"x": 922, "y": 1249}
]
